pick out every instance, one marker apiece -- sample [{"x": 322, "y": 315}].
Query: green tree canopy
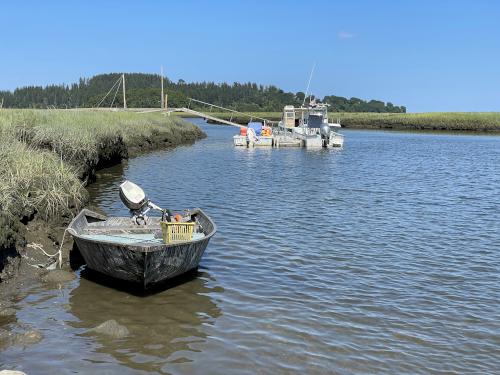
[{"x": 143, "y": 91}]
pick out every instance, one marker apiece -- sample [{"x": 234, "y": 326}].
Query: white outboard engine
[{"x": 137, "y": 202}]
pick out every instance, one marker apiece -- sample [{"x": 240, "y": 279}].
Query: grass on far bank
[
  {"x": 445, "y": 121},
  {"x": 45, "y": 153}
]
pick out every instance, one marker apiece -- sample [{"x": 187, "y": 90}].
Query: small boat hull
[
  {"x": 336, "y": 140},
  {"x": 143, "y": 263},
  {"x": 262, "y": 141},
  {"x": 240, "y": 141}
]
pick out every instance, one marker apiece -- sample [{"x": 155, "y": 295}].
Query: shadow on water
[
  {"x": 136, "y": 288},
  {"x": 106, "y": 179},
  {"x": 165, "y": 324}
]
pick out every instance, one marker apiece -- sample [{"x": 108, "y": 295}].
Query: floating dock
[
  {"x": 280, "y": 141},
  {"x": 287, "y": 141}
]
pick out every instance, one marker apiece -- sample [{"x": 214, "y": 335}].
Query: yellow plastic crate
[{"x": 176, "y": 232}]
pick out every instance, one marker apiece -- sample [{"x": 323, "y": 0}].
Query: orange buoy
[
  {"x": 243, "y": 131},
  {"x": 177, "y": 217}
]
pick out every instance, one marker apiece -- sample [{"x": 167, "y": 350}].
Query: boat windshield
[{"x": 315, "y": 121}]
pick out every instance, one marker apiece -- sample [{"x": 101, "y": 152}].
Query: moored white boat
[{"x": 311, "y": 125}]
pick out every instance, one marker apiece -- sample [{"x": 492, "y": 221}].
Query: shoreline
[
  {"x": 24, "y": 235},
  {"x": 460, "y": 122}
]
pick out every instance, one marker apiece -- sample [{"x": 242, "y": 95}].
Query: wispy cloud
[{"x": 345, "y": 35}]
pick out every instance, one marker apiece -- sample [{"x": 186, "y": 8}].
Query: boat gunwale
[{"x": 141, "y": 247}]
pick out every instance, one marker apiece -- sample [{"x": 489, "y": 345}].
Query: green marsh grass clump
[
  {"x": 32, "y": 182},
  {"x": 36, "y": 181}
]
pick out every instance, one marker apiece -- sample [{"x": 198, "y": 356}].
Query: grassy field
[
  {"x": 46, "y": 156},
  {"x": 443, "y": 121}
]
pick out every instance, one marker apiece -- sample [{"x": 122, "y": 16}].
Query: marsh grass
[
  {"x": 43, "y": 153},
  {"x": 447, "y": 121},
  {"x": 79, "y": 136},
  {"x": 36, "y": 181}
]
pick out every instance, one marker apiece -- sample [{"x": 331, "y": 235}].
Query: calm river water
[{"x": 383, "y": 257}]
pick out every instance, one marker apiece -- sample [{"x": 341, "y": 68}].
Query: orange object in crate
[{"x": 243, "y": 131}]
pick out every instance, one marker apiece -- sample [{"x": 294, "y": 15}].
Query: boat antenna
[{"x": 308, "y": 84}]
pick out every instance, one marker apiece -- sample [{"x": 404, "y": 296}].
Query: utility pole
[
  {"x": 162, "y": 101},
  {"x": 124, "y": 98}
]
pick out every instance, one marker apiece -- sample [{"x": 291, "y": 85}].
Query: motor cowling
[
  {"x": 133, "y": 196},
  {"x": 138, "y": 203},
  {"x": 325, "y": 131}
]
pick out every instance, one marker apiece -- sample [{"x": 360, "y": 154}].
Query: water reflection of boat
[{"x": 159, "y": 324}]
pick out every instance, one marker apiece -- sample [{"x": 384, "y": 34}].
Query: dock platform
[{"x": 287, "y": 141}]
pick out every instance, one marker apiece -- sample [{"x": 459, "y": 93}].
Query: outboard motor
[
  {"x": 138, "y": 203},
  {"x": 325, "y": 132}
]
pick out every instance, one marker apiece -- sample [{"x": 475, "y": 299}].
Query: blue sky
[{"x": 427, "y": 55}]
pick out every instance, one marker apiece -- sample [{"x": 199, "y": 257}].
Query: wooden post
[
  {"x": 1, "y": 104},
  {"x": 162, "y": 101},
  {"x": 166, "y": 101},
  {"x": 124, "y": 98}
]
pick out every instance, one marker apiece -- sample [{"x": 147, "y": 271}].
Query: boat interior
[{"x": 124, "y": 231}]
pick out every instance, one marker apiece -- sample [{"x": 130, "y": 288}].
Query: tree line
[{"x": 143, "y": 91}]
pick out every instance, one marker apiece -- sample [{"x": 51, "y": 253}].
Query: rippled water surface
[{"x": 383, "y": 257}]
